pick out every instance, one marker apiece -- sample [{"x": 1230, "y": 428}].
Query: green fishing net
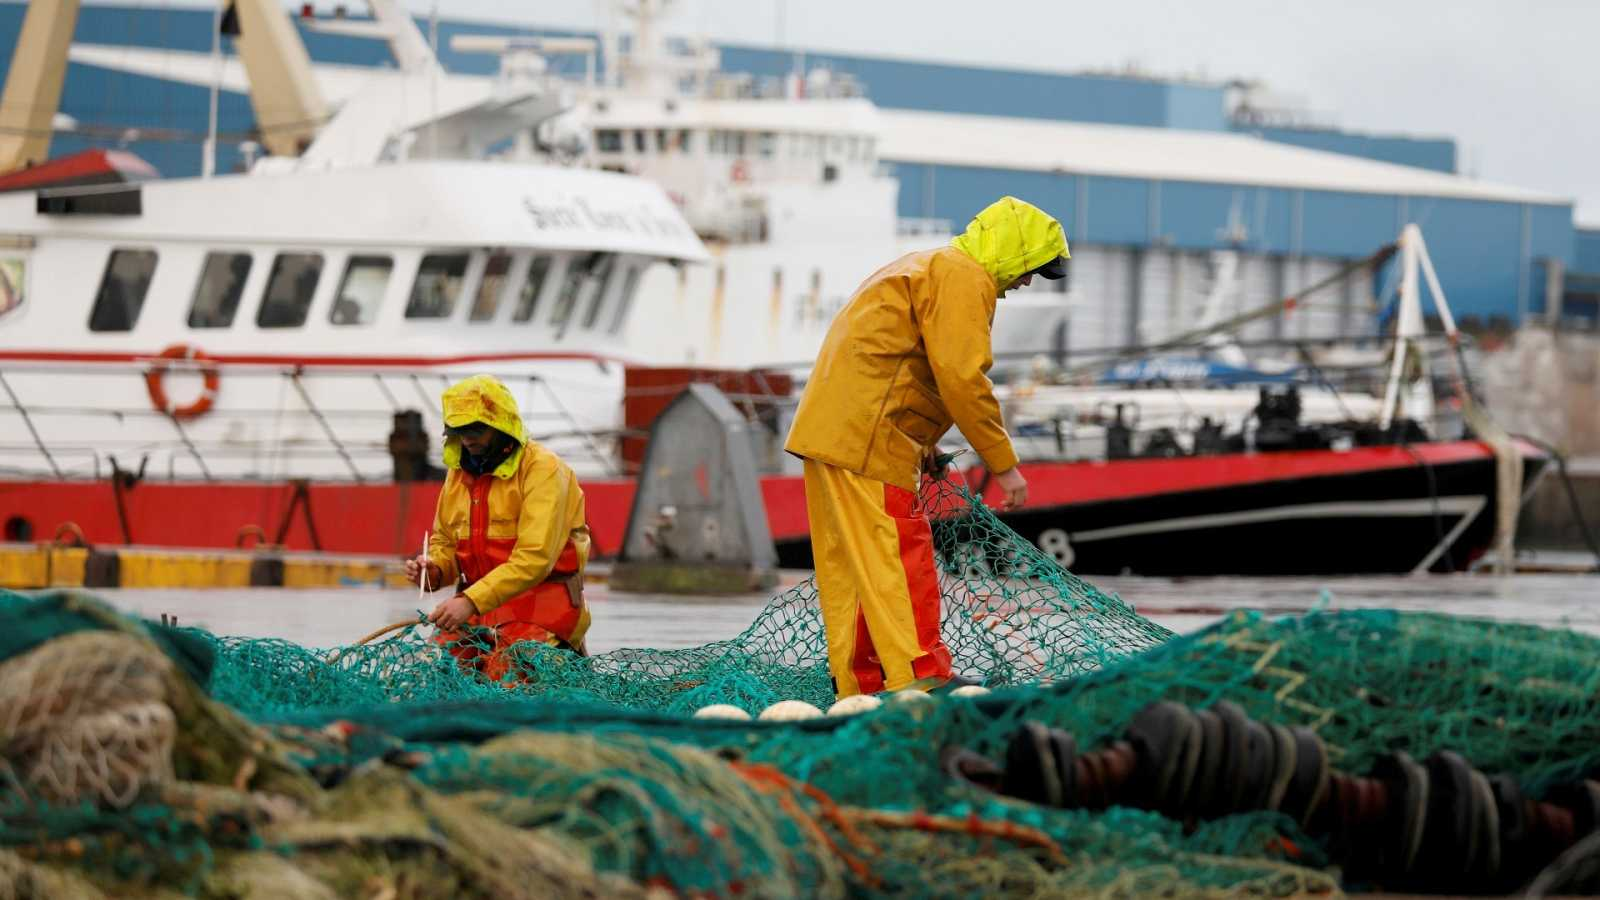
[{"x": 140, "y": 760}]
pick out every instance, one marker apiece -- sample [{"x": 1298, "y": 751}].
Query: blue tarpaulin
[{"x": 1187, "y": 369}]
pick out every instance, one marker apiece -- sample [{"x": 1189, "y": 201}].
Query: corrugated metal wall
[
  {"x": 1121, "y": 296},
  {"x": 1487, "y": 253}
]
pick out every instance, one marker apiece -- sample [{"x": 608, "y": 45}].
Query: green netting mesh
[{"x": 129, "y": 768}]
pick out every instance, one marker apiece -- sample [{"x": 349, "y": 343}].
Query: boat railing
[{"x": 308, "y": 415}]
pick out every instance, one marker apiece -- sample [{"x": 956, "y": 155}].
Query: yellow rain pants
[{"x": 876, "y": 582}]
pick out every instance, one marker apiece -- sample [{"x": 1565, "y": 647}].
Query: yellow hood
[
  {"x": 1010, "y": 238},
  {"x": 482, "y": 398}
]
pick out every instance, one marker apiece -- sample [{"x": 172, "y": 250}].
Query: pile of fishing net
[{"x": 1335, "y": 750}]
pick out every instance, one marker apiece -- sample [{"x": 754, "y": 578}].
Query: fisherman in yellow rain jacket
[
  {"x": 509, "y": 534},
  {"x": 905, "y": 359}
]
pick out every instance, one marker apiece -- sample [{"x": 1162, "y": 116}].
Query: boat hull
[
  {"x": 1429, "y": 507},
  {"x": 1369, "y": 510}
]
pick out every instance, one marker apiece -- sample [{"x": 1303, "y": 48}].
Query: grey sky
[{"x": 1517, "y": 84}]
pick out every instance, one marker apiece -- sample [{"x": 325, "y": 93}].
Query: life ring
[
  {"x": 741, "y": 172},
  {"x": 211, "y": 379}
]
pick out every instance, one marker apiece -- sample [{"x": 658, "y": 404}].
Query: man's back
[{"x": 903, "y": 360}]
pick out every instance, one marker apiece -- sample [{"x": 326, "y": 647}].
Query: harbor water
[{"x": 326, "y": 618}]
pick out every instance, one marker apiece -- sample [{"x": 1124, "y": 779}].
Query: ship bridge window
[
  {"x": 602, "y": 275},
  {"x": 685, "y": 141},
  {"x": 661, "y": 140},
  {"x": 532, "y": 287},
  {"x": 579, "y": 270},
  {"x": 638, "y": 141},
  {"x": 630, "y": 284},
  {"x": 608, "y": 140},
  {"x": 438, "y": 282},
  {"x": 490, "y": 287},
  {"x": 290, "y": 287},
  {"x": 767, "y": 144},
  {"x": 365, "y": 280},
  {"x": 122, "y": 290},
  {"x": 216, "y": 297}
]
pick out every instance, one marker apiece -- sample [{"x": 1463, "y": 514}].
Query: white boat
[
  {"x": 782, "y": 179},
  {"x": 270, "y": 325}
]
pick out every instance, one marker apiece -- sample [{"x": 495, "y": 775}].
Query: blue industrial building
[{"x": 1496, "y": 249}]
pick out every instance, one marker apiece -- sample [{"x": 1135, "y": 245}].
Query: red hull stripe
[
  {"x": 1065, "y": 483},
  {"x": 385, "y": 518},
  {"x": 280, "y": 359}
]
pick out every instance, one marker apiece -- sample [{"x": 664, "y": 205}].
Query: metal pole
[
  {"x": 208, "y": 158},
  {"x": 184, "y": 436},
  {"x": 17, "y": 404},
  {"x": 1408, "y": 314},
  {"x": 586, "y": 434},
  {"x": 294, "y": 379}
]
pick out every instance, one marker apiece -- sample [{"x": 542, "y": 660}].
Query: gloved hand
[{"x": 937, "y": 463}]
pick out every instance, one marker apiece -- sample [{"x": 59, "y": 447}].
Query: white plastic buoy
[
  {"x": 855, "y": 703},
  {"x": 969, "y": 690},
  {"x": 721, "y": 711},
  {"x": 910, "y": 695},
  {"x": 789, "y": 711}
]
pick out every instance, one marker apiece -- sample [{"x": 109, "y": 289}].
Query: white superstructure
[
  {"x": 321, "y": 303},
  {"x": 783, "y": 181}
]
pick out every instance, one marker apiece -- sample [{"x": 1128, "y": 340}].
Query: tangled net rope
[{"x": 136, "y": 757}]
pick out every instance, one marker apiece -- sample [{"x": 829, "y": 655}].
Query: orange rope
[
  {"x": 770, "y": 780},
  {"x": 972, "y": 825}
]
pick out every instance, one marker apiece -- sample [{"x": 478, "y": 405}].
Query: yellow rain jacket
[
  {"x": 909, "y": 355},
  {"x": 508, "y": 531}
]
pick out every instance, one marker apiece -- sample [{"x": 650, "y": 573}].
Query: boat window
[
  {"x": 630, "y": 284},
  {"x": 532, "y": 287},
  {"x": 661, "y": 140},
  {"x": 365, "y": 280},
  {"x": 685, "y": 140},
  {"x": 438, "y": 282},
  {"x": 602, "y": 275},
  {"x": 490, "y": 287},
  {"x": 767, "y": 144},
  {"x": 122, "y": 290},
  {"x": 608, "y": 140},
  {"x": 579, "y": 268},
  {"x": 718, "y": 141},
  {"x": 638, "y": 141},
  {"x": 736, "y": 143},
  {"x": 216, "y": 297},
  {"x": 13, "y": 284},
  {"x": 290, "y": 286}
]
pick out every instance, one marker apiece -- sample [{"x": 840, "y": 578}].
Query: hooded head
[
  {"x": 1011, "y": 239},
  {"x": 481, "y": 399}
]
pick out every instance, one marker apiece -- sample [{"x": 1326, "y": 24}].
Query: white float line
[{"x": 1467, "y": 506}]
